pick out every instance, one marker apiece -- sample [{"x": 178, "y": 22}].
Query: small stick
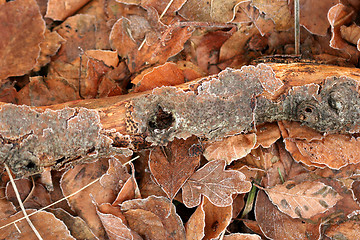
[
  {"x": 297, "y": 26},
  {"x": 26, "y": 216}
]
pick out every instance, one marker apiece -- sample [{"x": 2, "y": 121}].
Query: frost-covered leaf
[
  {"x": 172, "y": 165},
  {"x": 213, "y": 181},
  {"x": 154, "y": 218},
  {"x": 230, "y": 148},
  {"x": 303, "y": 200}
]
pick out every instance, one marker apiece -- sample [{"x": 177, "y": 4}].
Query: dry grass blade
[
  {"x": 54, "y": 203},
  {"x": 165, "y": 10},
  {"x": 26, "y": 216}
]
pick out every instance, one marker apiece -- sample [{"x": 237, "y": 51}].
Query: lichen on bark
[{"x": 31, "y": 140}]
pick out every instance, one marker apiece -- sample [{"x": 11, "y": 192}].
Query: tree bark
[{"x": 325, "y": 98}]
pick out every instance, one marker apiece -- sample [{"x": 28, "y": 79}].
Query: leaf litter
[{"x": 189, "y": 188}]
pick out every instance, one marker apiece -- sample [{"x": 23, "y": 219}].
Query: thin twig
[
  {"x": 32, "y": 190},
  {"x": 297, "y": 26},
  {"x": 54, "y": 203},
  {"x": 26, "y": 216}
]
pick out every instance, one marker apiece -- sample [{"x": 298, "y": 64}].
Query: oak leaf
[
  {"x": 213, "y": 181},
  {"x": 303, "y": 200}
]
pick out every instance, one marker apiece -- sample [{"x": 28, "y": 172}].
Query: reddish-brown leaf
[
  {"x": 172, "y": 165},
  {"x": 213, "y": 181},
  {"x": 277, "y": 225},
  {"x": 346, "y": 230},
  {"x": 230, "y": 148},
  {"x": 115, "y": 224},
  {"x": 167, "y": 74},
  {"x": 154, "y": 218},
  {"x": 45, "y": 223},
  {"x": 242, "y": 236},
  {"x": 82, "y": 203},
  {"x": 60, "y": 9},
  {"x": 22, "y": 32},
  {"x": 210, "y": 11}
]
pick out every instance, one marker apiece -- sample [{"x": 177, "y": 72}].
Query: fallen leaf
[
  {"x": 195, "y": 225},
  {"x": 161, "y": 6},
  {"x": 77, "y": 227},
  {"x": 278, "y": 11},
  {"x": 172, "y": 165},
  {"x": 349, "y": 229},
  {"x": 115, "y": 226},
  {"x": 58, "y": 10},
  {"x": 303, "y": 200},
  {"x": 167, "y": 74},
  {"x": 157, "y": 44},
  {"x": 230, "y": 148},
  {"x": 41, "y": 220},
  {"x": 216, "y": 183},
  {"x": 277, "y": 225},
  {"x": 49, "y": 48},
  {"x": 82, "y": 203},
  {"x": 318, "y": 10},
  {"x": 210, "y": 11},
  {"x": 242, "y": 236},
  {"x": 217, "y": 219},
  {"x": 351, "y": 34},
  {"x": 36, "y": 196},
  {"x": 267, "y": 134},
  {"x": 153, "y": 218},
  {"x": 20, "y": 37},
  {"x": 7, "y": 91}
]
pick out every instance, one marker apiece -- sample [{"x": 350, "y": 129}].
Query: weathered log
[{"x": 325, "y": 98}]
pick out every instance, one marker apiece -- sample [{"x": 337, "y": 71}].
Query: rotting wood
[{"x": 325, "y": 98}]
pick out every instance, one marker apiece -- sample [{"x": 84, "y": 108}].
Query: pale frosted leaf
[{"x": 303, "y": 200}]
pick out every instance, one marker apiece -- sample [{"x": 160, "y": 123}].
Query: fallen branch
[{"x": 325, "y": 98}]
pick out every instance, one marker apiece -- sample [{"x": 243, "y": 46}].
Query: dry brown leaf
[
  {"x": 210, "y": 11},
  {"x": 154, "y": 218},
  {"x": 276, "y": 10},
  {"x": 351, "y": 34},
  {"x": 115, "y": 224},
  {"x": 115, "y": 177},
  {"x": 298, "y": 131},
  {"x": 242, "y": 236},
  {"x": 77, "y": 227},
  {"x": 355, "y": 187},
  {"x": 82, "y": 203},
  {"x": 49, "y": 48},
  {"x": 58, "y": 10},
  {"x": 213, "y": 181},
  {"x": 318, "y": 10},
  {"x": 303, "y": 200},
  {"x": 230, "y": 148},
  {"x": 41, "y": 220},
  {"x": 277, "y": 225},
  {"x": 160, "y": 6},
  {"x": 7, "y": 91},
  {"x": 217, "y": 219},
  {"x": 339, "y": 15},
  {"x": 327, "y": 151},
  {"x": 7, "y": 208},
  {"x": 267, "y": 134},
  {"x": 207, "y": 50},
  {"x": 172, "y": 165},
  {"x": 109, "y": 58},
  {"x": 36, "y": 196},
  {"x": 40, "y": 92},
  {"x": 195, "y": 225},
  {"x": 167, "y": 74},
  {"x": 144, "y": 40},
  {"x": 20, "y": 37},
  {"x": 346, "y": 230}
]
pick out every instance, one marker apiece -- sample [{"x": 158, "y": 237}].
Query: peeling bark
[{"x": 325, "y": 98}]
